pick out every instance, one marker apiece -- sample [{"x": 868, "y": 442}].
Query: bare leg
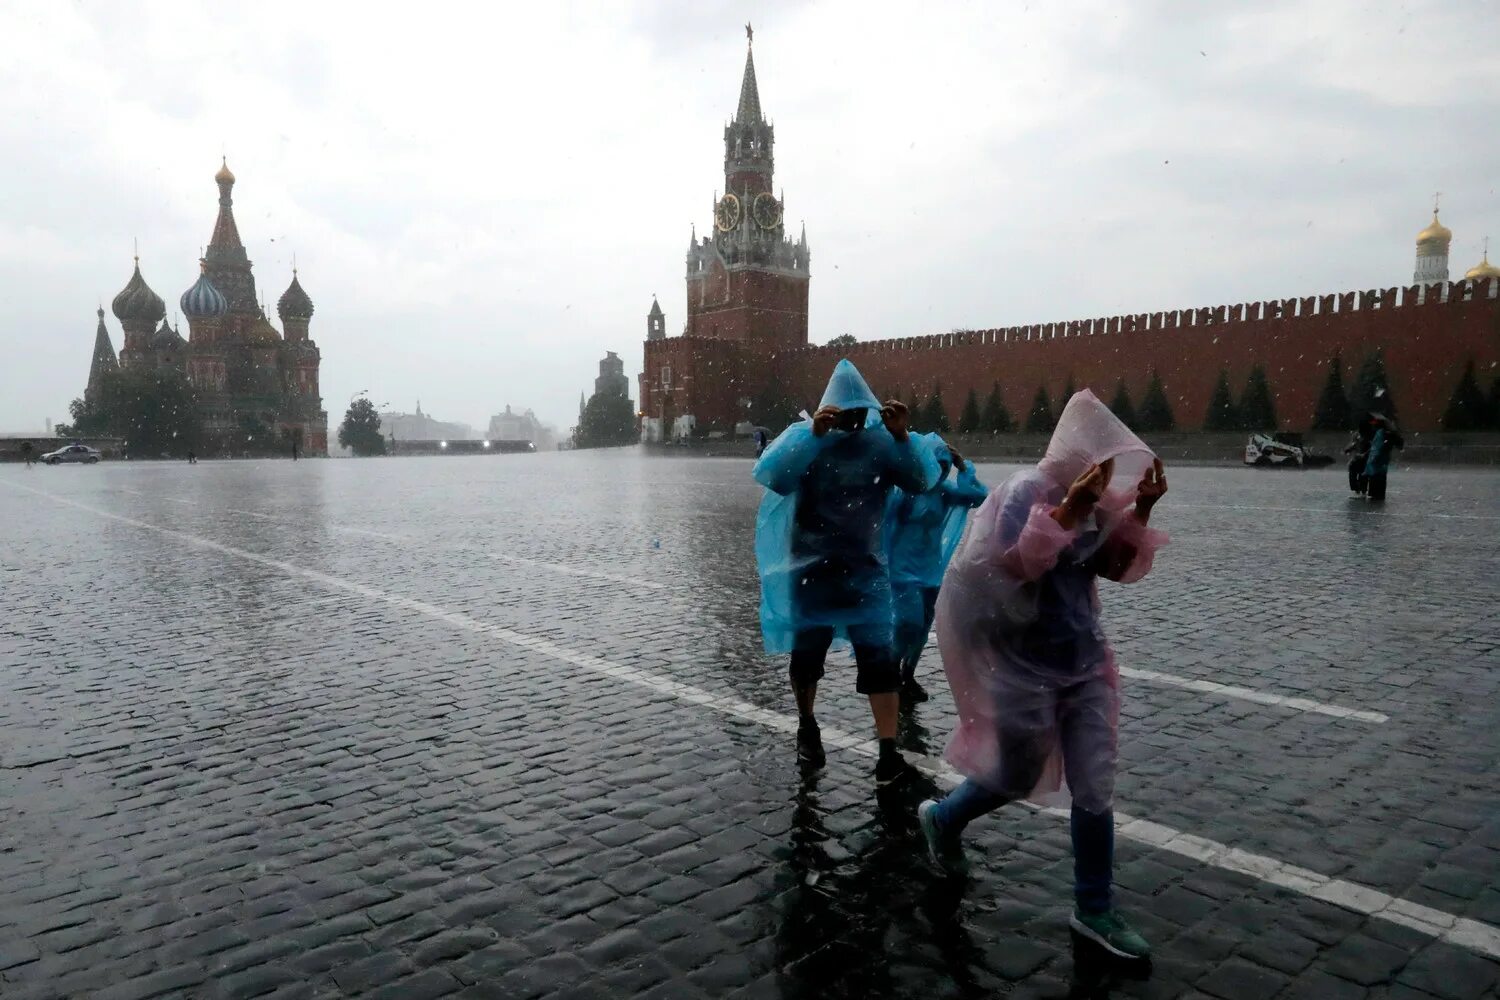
[
  {"x": 887, "y": 711},
  {"x": 805, "y": 694}
]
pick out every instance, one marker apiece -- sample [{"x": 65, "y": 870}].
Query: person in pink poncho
[{"x": 1034, "y": 679}]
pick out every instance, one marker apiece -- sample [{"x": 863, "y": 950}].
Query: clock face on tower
[
  {"x": 766, "y": 210},
  {"x": 727, "y": 213}
]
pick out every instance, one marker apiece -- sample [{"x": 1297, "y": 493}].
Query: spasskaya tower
[{"x": 746, "y": 291}]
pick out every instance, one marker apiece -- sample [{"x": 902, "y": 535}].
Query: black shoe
[
  {"x": 912, "y": 693},
  {"x": 810, "y": 745},
  {"x": 891, "y": 768}
]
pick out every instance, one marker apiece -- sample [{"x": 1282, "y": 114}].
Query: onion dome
[
  {"x": 224, "y": 175},
  {"x": 1434, "y": 239},
  {"x": 203, "y": 300},
  {"x": 137, "y": 303},
  {"x": 1482, "y": 271},
  {"x": 294, "y": 303},
  {"x": 261, "y": 331},
  {"x": 167, "y": 339}
]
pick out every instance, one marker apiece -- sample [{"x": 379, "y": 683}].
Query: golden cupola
[
  {"x": 1484, "y": 270},
  {"x": 1434, "y": 239}
]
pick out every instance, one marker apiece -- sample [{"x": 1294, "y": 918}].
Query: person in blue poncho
[
  {"x": 1378, "y": 463},
  {"x": 820, "y": 549},
  {"x": 922, "y": 530}
]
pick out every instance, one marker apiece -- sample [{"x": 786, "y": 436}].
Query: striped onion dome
[
  {"x": 137, "y": 303},
  {"x": 203, "y": 300}
]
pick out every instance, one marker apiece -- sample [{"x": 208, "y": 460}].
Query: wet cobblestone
[{"x": 226, "y": 777}]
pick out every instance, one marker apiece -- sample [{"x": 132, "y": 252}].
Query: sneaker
[
  {"x": 1110, "y": 931},
  {"x": 810, "y": 745},
  {"x": 912, "y": 693},
  {"x": 947, "y": 855},
  {"x": 892, "y": 768}
]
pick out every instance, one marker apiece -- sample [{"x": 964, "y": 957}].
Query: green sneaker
[
  {"x": 1111, "y": 932},
  {"x": 947, "y": 854}
]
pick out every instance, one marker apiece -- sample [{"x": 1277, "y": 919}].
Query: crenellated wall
[{"x": 1426, "y": 335}]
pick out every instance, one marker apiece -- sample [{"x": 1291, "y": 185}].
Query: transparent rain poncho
[
  {"x": 1032, "y": 675},
  {"x": 923, "y": 530},
  {"x": 819, "y": 535}
]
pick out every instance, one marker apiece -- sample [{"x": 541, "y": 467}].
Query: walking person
[
  {"x": 1377, "y": 466},
  {"x": 27, "y": 453},
  {"x": 1358, "y": 449},
  {"x": 819, "y": 547},
  {"x": 1032, "y": 674},
  {"x": 922, "y": 530}
]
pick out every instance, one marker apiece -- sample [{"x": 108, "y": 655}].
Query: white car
[{"x": 72, "y": 453}]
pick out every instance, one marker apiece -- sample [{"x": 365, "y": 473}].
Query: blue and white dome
[{"x": 203, "y": 300}]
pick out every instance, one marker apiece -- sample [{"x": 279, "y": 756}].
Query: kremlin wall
[
  {"x": 746, "y": 331},
  {"x": 1425, "y": 341}
]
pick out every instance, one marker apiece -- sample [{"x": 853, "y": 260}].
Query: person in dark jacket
[{"x": 1387, "y": 438}]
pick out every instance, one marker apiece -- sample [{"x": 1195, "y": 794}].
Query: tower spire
[{"x": 748, "y": 112}]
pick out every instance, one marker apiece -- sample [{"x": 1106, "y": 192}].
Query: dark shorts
[{"x": 877, "y": 671}]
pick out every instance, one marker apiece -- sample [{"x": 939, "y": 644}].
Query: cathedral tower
[
  {"x": 656, "y": 322},
  {"x": 138, "y": 309},
  {"x": 104, "y": 359}
]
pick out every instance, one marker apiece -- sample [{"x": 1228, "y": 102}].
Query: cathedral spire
[
  {"x": 104, "y": 358},
  {"x": 226, "y": 233}
]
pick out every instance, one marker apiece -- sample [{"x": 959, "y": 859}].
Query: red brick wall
[
  {"x": 1425, "y": 347},
  {"x": 763, "y": 307}
]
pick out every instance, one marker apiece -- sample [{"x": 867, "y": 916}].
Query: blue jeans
[{"x": 1093, "y": 840}]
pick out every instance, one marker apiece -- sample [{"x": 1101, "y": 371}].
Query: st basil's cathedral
[{"x": 249, "y": 379}]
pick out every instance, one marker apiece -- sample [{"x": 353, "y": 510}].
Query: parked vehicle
[
  {"x": 72, "y": 453},
  {"x": 1283, "y": 449}
]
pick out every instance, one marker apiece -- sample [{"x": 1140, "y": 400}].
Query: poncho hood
[
  {"x": 848, "y": 390},
  {"x": 1089, "y": 433}
]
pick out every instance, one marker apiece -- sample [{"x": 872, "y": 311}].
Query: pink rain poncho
[{"x": 1018, "y": 619}]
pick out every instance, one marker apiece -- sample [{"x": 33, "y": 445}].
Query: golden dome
[
  {"x": 261, "y": 332},
  {"x": 1435, "y": 233},
  {"x": 224, "y": 176},
  {"x": 1484, "y": 269}
]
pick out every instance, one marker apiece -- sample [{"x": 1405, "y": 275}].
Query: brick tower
[{"x": 746, "y": 292}]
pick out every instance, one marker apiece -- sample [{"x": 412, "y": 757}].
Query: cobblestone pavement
[{"x": 501, "y": 727}]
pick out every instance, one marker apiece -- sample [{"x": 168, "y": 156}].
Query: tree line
[{"x": 1254, "y": 410}]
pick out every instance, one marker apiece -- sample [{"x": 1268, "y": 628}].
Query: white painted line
[
  {"x": 1460, "y": 931},
  {"x": 252, "y": 513},
  {"x": 1250, "y": 694},
  {"x": 179, "y": 500},
  {"x": 1377, "y": 510},
  {"x": 371, "y": 534},
  {"x": 574, "y": 571},
  {"x": 1244, "y": 693}
]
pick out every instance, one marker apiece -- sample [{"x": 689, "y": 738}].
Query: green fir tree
[
  {"x": 935, "y": 417},
  {"x": 1333, "y": 413},
  {"x": 1155, "y": 416},
  {"x": 1222, "y": 414},
  {"x": 1372, "y": 389},
  {"x": 1257, "y": 405},
  {"x": 996, "y": 417},
  {"x": 1467, "y": 409},
  {"x": 1123, "y": 408},
  {"x": 1041, "y": 419},
  {"x": 970, "y": 420}
]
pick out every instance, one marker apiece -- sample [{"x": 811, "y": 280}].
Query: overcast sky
[{"x": 483, "y": 198}]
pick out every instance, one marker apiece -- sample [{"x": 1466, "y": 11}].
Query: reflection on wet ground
[{"x": 502, "y": 727}]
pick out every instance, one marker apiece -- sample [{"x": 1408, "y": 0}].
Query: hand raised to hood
[
  {"x": 824, "y": 419},
  {"x": 897, "y": 419},
  {"x": 1086, "y": 491}
]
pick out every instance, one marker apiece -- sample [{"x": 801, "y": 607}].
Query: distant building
[
  {"x": 421, "y": 426},
  {"x": 512, "y": 426},
  {"x": 612, "y": 380}
]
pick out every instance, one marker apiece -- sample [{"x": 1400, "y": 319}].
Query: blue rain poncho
[
  {"x": 819, "y": 535},
  {"x": 923, "y": 529}
]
